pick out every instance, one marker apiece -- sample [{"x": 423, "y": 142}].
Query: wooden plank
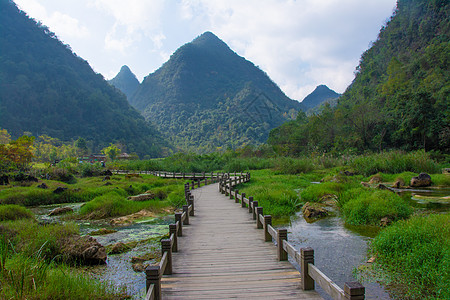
[
  {"x": 273, "y": 232},
  {"x": 326, "y": 283},
  {"x": 290, "y": 250},
  {"x": 163, "y": 263},
  {"x": 224, "y": 256},
  {"x": 150, "y": 293},
  {"x": 261, "y": 218}
]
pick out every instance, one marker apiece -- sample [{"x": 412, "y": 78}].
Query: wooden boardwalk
[{"x": 223, "y": 256}]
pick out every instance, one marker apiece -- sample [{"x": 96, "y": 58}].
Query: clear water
[{"x": 338, "y": 250}]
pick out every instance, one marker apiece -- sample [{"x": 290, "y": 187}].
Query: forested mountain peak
[
  {"x": 320, "y": 94},
  {"x": 46, "y": 89},
  {"x": 125, "y": 81},
  {"x": 204, "y": 97}
]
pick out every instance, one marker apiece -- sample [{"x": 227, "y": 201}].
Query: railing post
[
  {"x": 354, "y": 291},
  {"x": 186, "y": 210},
  {"x": 306, "y": 257},
  {"x": 153, "y": 276},
  {"x": 250, "y": 202},
  {"x": 259, "y": 211},
  {"x": 193, "y": 184},
  {"x": 267, "y": 222},
  {"x": 282, "y": 236},
  {"x": 226, "y": 189},
  {"x": 191, "y": 202},
  {"x": 254, "y": 206},
  {"x": 180, "y": 224},
  {"x": 236, "y": 196},
  {"x": 231, "y": 192},
  {"x": 242, "y": 200},
  {"x": 173, "y": 229},
  {"x": 198, "y": 182},
  {"x": 166, "y": 247}
]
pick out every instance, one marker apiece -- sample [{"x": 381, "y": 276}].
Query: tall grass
[
  {"x": 395, "y": 162},
  {"x": 416, "y": 255}
]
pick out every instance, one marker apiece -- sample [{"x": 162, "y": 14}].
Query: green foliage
[
  {"x": 14, "y": 212},
  {"x": 111, "y": 151},
  {"x": 398, "y": 99},
  {"x": 365, "y": 207},
  {"x": 395, "y": 162},
  {"x": 416, "y": 254},
  {"x": 45, "y": 88}
]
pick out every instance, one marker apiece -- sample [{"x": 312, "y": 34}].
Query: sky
[{"x": 299, "y": 43}]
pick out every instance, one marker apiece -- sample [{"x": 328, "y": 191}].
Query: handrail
[
  {"x": 305, "y": 257},
  {"x": 326, "y": 283}
]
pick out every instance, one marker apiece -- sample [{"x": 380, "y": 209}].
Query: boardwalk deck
[{"x": 223, "y": 256}]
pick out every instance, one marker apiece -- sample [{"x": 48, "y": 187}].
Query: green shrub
[
  {"x": 14, "y": 212},
  {"x": 368, "y": 207},
  {"x": 416, "y": 254}
]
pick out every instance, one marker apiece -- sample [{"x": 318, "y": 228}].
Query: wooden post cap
[{"x": 354, "y": 290}]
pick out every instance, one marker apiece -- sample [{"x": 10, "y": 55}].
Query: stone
[
  {"x": 118, "y": 248},
  {"x": 421, "y": 181},
  {"x": 60, "y": 211},
  {"x": 365, "y": 184},
  {"x": 143, "y": 197},
  {"x": 382, "y": 187},
  {"x": 129, "y": 219},
  {"x": 314, "y": 210},
  {"x": 43, "y": 186},
  {"x": 399, "y": 183},
  {"x": 138, "y": 267},
  {"x": 386, "y": 221},
  {"x": 107, "y": 177},
  {"x": 84, "y": 250},
  {"x": 59, "y": 190},
  {"x": 348, "y": 173},
  {"x": 375, "y": 179},
  {"x": 107, "y": 173}
]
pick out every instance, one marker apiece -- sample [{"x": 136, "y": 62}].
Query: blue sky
[{"x": 298, "y": 43}]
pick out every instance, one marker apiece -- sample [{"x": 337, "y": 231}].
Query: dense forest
[
  {"x": 46, "y": 89},
  {"x": 399, "y": 97},
  {"x": 207, "y": 97}
]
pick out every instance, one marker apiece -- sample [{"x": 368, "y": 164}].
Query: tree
[
  {"x": 81, "y": 146},
  {"x": 17, "y": 154},
  {"x": 111, "y": 151}
]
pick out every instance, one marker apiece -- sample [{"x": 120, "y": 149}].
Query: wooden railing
[
  {"x": 304, "y": 256},
  {"x": 155, "y": 273},
  {"x": 183, "y": 175}
]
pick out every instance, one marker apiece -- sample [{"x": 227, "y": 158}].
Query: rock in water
[
  {"x": 422, "y": 180},
  {"x": 314, "y": 210},
  {"x": 84, "y": 250},
  {"x": 60, "y": 210}
]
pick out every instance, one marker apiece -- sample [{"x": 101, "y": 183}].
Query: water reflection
[{"x": 338, "y": 250}]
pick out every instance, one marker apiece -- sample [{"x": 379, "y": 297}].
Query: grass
[
  {"x": 277, "y": 193},
  {"x": 395, "y": 162},
  {"x": 362, "y": 206},
  {"x": 113, "y": 204},
  {"x": 415, "y": 254},
  {"x": 14, "y": 212}
]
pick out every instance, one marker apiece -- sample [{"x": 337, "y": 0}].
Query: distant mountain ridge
[
  {"x": 125, "y": 81},
  {"x": 321, "y": 94},
  {"x": 206, "y": 97},
  {"x": 46, "y": 89}
]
